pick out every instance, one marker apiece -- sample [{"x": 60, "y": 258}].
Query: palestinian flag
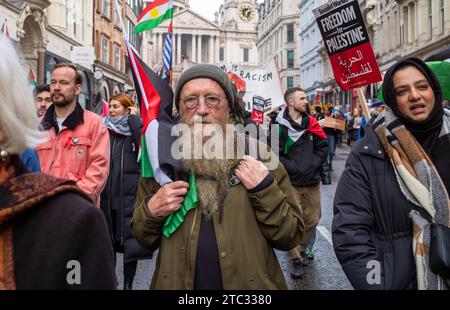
[
  {"x": 294, "y": 134},
  {"x": 31, "y": 76},
  {"x": 155, "y": 99},
  {"x": 153, "y": 15},
  {"x": 105, "y": 108}
]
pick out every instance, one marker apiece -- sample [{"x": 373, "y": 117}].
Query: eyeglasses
[
  {"x": 192, "y": 102},
  {"x": 48, "y": 100}
]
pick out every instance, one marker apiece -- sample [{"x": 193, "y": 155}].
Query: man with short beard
[
  {"x": 78, "y": 144},
  {"x": 303, "y": 150},
  {"x": 245, "y": 210}
]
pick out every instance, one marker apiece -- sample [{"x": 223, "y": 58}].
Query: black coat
[
  {"x": 64, "y": 228},
  {"x": 119, "y": 196},
  {"x": 371, "y": 220},
  {"x": 304, "y": 159}
]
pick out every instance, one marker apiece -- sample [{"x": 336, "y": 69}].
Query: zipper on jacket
[
  {"x": 122, "y": 193},
  {"x": 189, "y": 248},
  {"x": 109, "y": 188}
]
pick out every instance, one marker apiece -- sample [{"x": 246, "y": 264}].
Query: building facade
[
  {"x": 407, "y": 28},
  {"x": 46, "y": 31},
  {"x": 278, "y": 38},
  {"x": 230, "y": 38},
  {"x": 113, "y": 74},
  {"x": 396, "y": 29},
  {"x": 310, "y": 60}
]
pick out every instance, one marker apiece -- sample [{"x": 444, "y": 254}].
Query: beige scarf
[{"x": 421, "y": 184}]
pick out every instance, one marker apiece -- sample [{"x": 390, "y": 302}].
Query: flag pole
[{"x": 363, "y": 103}]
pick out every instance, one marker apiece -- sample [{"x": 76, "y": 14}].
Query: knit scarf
[
  {"x": 118, "y": 124},
  {"x": 18, "y": 195},
  {"x": 421, "y": 184}
]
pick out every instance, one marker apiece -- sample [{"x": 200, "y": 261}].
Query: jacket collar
[
  {"x": 370, "y": 145},
  {"x": 284, "y": 115},
  {"x": 73, "y": 120}
]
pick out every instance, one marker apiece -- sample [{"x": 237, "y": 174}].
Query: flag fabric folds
[
  {"x": 167, "y": 56},
  {"x": 105, "y": 108},
  {"x": 5, "y": 30},
  {"x": 31, "y": 76},
  {"x": 154, "y": 14},
  {"x": 155, "y": 97}
]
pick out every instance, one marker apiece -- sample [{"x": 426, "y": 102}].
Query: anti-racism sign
[
  {"x": 347, "y": 43},
  {"x": 259, "y": 87}
]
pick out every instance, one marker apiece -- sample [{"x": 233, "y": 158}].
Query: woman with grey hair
[{"x": 51, "y": 235}]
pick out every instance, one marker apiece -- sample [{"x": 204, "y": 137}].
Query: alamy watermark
[
  {"x": 73, "y": 277},
  {"x": 374, "y": 275}
]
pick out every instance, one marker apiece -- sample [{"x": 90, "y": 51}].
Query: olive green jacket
[{"x": 252, "y": 226}]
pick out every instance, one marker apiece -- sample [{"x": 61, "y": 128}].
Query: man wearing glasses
[
  {"x": 42, "y": 98},
  {"x": 245, "y": 209}
]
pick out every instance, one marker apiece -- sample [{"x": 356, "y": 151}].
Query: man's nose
[{"x": 202, "y": 108}]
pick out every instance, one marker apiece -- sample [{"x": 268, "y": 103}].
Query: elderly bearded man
[{"x": 227, "y": 241}]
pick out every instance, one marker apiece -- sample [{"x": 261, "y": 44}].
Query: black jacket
[
  {"x": 59, "y": 238},
  {"x": 371, "y": 221},
  {"x": 119, "y": 196},
  {"x": 304, "y": 159},
  {"x": 51, "y": 236}
]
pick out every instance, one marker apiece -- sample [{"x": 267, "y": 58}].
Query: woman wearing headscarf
[
  {"x": 399, "y": 179},
  {"x": 119, "y": 195},
  {"x": 51, "y": 235}
]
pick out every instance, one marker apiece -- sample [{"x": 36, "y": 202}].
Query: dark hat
[
  {"x": 376, "y": 103},
  {"x": 210, "y": 72}
]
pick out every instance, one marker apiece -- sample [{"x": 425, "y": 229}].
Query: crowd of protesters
[{"x": 74, "y": 191}]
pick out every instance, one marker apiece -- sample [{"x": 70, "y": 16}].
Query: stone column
[
  {"x": 211, "y": 49},
  {"x": 41, "y": 66},
  {"x": 199, "y": 58},
  {"x": 179, "y": 48},
  {"x": 174, "y": 48},
  {"x": 160, "y": 47},
  {"x": 193, "y": 49},
  {"x": 217, "y": 48}
]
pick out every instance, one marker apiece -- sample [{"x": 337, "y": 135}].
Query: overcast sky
[{"x": 207, "y": 7}]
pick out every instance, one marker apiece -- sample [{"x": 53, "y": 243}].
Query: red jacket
[{"x": 79, "y": 152}]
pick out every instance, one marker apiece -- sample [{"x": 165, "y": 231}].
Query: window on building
[
  {"x": 105, "y": 49},
  {"x": 106, "y": 9},
  {"x": 441, "y": 16},
  {"x": 117, "y": 56},
  {"x": 221, "y": 54},
  {"x": 135, "y": 39},
  {"x": 290, "y": 33},
  {"x": 290, "y": 81},
  {"x": 245, "y": 54},
  {"x": 290, "y": 59},
  {"x": 430, "y": 19},
  {"x": 135, "y": 6},
  {"x": 116, "y": 19}
]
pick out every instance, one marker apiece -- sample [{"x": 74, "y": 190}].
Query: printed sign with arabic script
[{"x": 347, "y": 43}]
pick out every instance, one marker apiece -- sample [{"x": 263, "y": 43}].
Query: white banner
[{"x": 256, "y": 85}]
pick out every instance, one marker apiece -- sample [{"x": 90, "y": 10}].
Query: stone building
[
  {"x": 310, "y": 60},
  {"x": 45, "y": 31},
  {"x": 113, "y": 74},
  {"x": 278, "y": 38},
  {"x": 230, "y": 38}
]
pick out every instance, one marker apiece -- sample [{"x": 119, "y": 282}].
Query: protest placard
[{"x": 347, "y": 43}]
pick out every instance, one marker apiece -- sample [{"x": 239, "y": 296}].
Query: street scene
[{"x": 220, "y": 145}]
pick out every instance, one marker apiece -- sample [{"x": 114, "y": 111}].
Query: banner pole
[{"x": 363, "y": 103}]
